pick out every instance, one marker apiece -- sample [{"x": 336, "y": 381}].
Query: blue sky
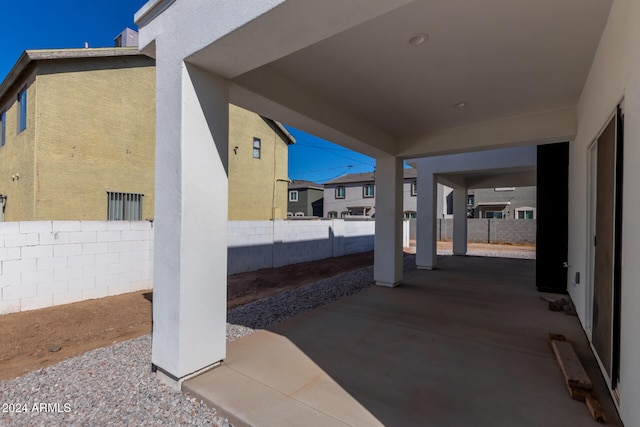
[{"x": 38, "y": 24}]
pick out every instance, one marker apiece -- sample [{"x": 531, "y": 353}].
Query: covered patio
[
  {"x": 399, "y": 80},
  {"x": 465, "y": 344}
]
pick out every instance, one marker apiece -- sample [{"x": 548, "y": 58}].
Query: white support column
[
  {"x": 190, "y": 259},
  {"x": 426, "y": 221},
  {"x": 459, "y": 221},
  {"x": 387, "y": 269}
]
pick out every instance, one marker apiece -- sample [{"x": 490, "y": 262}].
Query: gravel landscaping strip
[{"x": 110, "y": 386}]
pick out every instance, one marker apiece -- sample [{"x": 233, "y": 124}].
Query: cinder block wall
[
  {"x": 254, "y": 245},
  {"x": 516, "y": 231},
  {"x": 482, "y": 230},
  {"x": 47, "y": 263}
]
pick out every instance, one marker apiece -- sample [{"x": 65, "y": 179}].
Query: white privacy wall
[
  {"x": 47, "y": 263},
  {"x": 254, "y": 245}
]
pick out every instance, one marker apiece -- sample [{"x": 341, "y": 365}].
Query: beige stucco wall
[
  {"x": 257, "y": 187},
  {"x": 90, "y": 130},
  {"x": 16, "y": 156}
]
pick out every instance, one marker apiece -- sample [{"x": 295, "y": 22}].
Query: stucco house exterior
[
  {"x": 306, "y": 199},
  {"x": 258, "y": 168},
  {"x": 354, "y": 195},
  {"x": 429, "y": 79},
  {"x": 77, "y": 135},
  {"x": 78, "y": 141},
  {"x": 496, "y": 202}
]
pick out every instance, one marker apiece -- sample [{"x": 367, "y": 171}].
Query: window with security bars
[{"x": 124, "y": 206}]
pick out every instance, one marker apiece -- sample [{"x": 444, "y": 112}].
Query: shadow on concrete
[{"x": 465, "y": 344}]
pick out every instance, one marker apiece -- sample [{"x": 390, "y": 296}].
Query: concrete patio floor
[{"x": 463, "y": 345}]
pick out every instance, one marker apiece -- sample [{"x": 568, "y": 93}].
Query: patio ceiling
[{"x": 348, "y": 71}]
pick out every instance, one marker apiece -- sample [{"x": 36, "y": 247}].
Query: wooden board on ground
[
  {"x": 574, "y": 373},
  {"x": 595, "y": 409}
]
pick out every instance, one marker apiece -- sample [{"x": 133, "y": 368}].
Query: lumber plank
[
  {"x": 574, "y": 373},
  {"x": 595, "y": 409},
  {"x": 577, "y": 393},
  {"x": 558, "y": 337}
]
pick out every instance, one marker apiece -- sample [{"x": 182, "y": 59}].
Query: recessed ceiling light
[
  {"x": 418, "y": 39},
  {"x": 460, "y": 104}
]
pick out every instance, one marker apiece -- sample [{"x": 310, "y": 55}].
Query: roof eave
[{"x": 29, "y": 56}]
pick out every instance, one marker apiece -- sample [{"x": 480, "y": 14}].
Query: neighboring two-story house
[
  {"x": 258, "y": 166},
  {"x": 77, "y": 141},
  {"x": 306, "y": 199},
  {"x": 77, "y": 132},
  {"x": 502, "y": 202},
  {"x": 354, "y": 195}
]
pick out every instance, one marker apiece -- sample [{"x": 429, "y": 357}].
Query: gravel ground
[{"x": 113, "y": 386}]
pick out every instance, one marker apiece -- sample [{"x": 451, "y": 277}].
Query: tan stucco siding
[
  {"x": 96, "y": 133},
  {"x": 257, "y": 187},
  {"x": 16, "y": 156}
]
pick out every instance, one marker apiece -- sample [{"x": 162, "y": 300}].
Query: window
[
  {"x": 256, "y": 148},
  {"x": 344, "y": 214},
  {"x": 299, "y": 213},
  {"x": 409, "y": 215},
  {"x": 471, "y": 199},
  {"x": 333, "y": 214},
  {"x": 22, "y": 110},
  {"x": 493, "y": 214},
  {"x": 3, "y": 129},
  {"x": 293, "y": 195},
  {"x": 526, "y": 213},
  {"x": 124, "y": 206},
  {"x": 414, "y": 188},
  {"x": 368, "y": 190},
  {"x": 340, "y": 192}
]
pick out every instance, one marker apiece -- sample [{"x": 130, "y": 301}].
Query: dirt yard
[{"x": 38, "y": 338}]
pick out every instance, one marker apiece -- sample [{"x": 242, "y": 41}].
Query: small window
[
  {"x": 344, "y": 214},
  {"x": 526, "y": 213},
  {"x": 471, "y": 199},
  {"x": 3, "y": 128},
  {"x": 409, "y": 215},
  {"x": 256, "y": 148},
  {"x": 289, "y": 214},
  {"x": 299, "y": 213},
  {"x": 414, "y": 188},
  {"x": 124, "y": 206},
  {"x": 493, "y": 214},
  {"x": 22, "y": 110},
  {"x": 368, "y": 190},
  {"x": 340, "y": 192},
  {"x": 293, "y": 195},
  {"x": 333, "y": 214}
]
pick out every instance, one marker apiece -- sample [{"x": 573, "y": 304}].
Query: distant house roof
[
  {"x": 365, "y": 177},
  {"x": 298, "y": 184},
  {"x": 30, "y": 56},
  {"x": 280, "y": 130}
]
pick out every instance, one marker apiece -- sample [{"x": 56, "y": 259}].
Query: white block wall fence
[
  {"x": 47, "y": 263},
  {"x": 254, "y": 245}
]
